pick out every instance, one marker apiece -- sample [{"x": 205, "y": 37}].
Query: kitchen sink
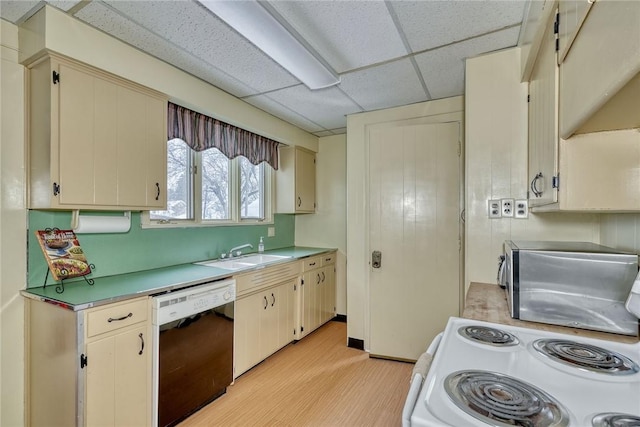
[{"x": 247, "y": 261}]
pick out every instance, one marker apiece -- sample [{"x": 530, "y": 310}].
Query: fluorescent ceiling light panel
[{"x": 255, "y": 23}]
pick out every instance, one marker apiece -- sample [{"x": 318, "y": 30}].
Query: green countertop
[{"x": 79, "y": 295}]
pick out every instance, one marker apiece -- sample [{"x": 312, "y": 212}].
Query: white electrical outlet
[
  {"x": 506, "y": 207},
  {"x": 522, "y": 209},
  {"x": 493, "y": 208}
]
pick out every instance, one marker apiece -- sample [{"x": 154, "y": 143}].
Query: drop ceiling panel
[
  {"x": 326, "y": 107},
  {"x": 347, "y": 34},
  {"x": 201, "y": 33},
  {"x": 389, "y": 85},
  {"x": 443, "y": 69},
  {"x": 107, "y": 20},
  {"x": 18, "y": 11},
  {"x": 275, "y": 108},
  {"x": 428, "y": 24}
]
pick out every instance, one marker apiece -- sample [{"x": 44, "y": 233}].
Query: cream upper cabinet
[
  {"x": 572, "y": 14},
  {"x": 543, "y": 122},
  {"x": 92, "y": 367},
  {"x": 96, "y": 141},
  {"x": 600, "y": 75},
  {"x": 296, "y": 181}
]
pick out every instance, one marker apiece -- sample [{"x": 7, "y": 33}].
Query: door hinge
[
  {"x": 459, "y": 148},
  {"x": 301, "y": 282},
  {"x": 556, "y": 31},
  {"x": 83, "y": 361},
  {"x": 528, "y": 98},
  {"x": 301, "y": 328},
  {"x": 55, "y": 77},
  {"x": 555, "y": 181},
  {"x": 295, "y": 287},
  {"x": 56, "y": 189}
]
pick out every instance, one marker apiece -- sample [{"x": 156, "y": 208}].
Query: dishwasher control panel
[{"x": 187, "y": 302}]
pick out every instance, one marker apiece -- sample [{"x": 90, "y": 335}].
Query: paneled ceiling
[{"x": 387, "y": 53}]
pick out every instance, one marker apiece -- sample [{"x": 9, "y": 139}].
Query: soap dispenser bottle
[{"x": 261, "y": 245}]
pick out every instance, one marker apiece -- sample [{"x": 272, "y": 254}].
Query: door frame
[{"x": 358, "y": 130}]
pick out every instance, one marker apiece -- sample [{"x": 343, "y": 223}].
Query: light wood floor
[{"x": 317, "y": 382}]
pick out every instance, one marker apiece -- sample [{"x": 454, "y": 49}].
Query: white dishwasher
[{"x": 192, "y": 349}]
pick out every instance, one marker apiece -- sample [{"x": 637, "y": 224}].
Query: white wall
[
  {"x": 496, "y": 167},
  {"x": 12, "y": 230},
  {"x": 328, "y": 226}
]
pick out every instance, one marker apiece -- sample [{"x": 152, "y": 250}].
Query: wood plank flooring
[{"x": 318, "y": 381}]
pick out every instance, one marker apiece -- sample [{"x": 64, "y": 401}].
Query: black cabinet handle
[
  {"x": 266, "y": 303},
  {"x": 111, "y": 319},
  {"x": 157, "y": 190},
  {"x": 299, "y": 202},
  {"x": 323, "y": 277},
  {"x": 141, "y": 343},
  {"x": 318, "y": 282},
  {"x": 274, "y": 299}
]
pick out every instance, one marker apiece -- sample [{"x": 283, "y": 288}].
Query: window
[{"x": 206, "y": 188}]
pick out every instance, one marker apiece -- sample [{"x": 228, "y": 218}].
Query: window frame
[{"x": 235, "y": 202}]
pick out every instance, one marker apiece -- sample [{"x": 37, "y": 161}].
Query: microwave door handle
[{"x": 502, "y": 270}]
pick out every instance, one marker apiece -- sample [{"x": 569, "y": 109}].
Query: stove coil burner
[
  {"x": 487, "y": 335},
  {"x": 614, "y": 419},
  {"x": 590, "y": 357},
  {"x": 501, "y": 400}
]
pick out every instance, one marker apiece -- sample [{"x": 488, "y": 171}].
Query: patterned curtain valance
[{"x": 201, "y": 132}]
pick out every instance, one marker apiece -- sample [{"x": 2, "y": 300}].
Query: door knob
[{"x": 376, "y": 259}]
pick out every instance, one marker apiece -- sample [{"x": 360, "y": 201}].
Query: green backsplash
[{"x": 144, "y": 249}]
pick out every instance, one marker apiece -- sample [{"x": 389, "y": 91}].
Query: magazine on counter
[{"x": 63, "y": 253}]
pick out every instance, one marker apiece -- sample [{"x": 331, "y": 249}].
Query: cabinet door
[
  {"x": 572, "y": 15},
  {"x": 329, "y": 293},
  {"x": 286, "y": 315},
  {"x": 269, "y": 322},
  {"x": 117, "y": 380},
  {"x": 305, "y": 181},
  {"x": 247, "y": 332},
  {"x": 141, "y": 148},
  {"x": 543, "y": 123},
  {"x": 85, "y": 143}
]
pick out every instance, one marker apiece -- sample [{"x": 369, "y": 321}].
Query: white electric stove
[{"x": 486, "y": 374}]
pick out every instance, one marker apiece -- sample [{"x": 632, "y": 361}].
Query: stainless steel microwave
[{"x": 576, "y": 284}]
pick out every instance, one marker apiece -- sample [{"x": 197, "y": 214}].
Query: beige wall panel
[
  {"x": 496, "y": 167},
  {"x": 621, "y": 231},
  {"x": 70, "y": 37},
  {"x": 328, "y": 226},
  {"x": 12, "y": 230}
]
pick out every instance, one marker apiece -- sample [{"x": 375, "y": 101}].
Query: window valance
[{"x": 201, "y": 132}]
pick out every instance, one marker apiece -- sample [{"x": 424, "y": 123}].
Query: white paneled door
[{"x": 414, "y": 222}]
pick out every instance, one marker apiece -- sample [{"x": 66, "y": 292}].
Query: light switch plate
[
  {"x": 521, "y": 209},
  {"x": 506, "y": 207},
  {"x": 271, "y": 231},
  {"x": 493, "y": 208}
]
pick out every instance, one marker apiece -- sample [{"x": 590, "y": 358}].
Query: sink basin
[{"x": 247, "y": 261}]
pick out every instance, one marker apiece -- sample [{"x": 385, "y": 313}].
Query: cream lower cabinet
[
  {"x": 317, "y": 300},
  {"x": 96, "y": 141},
  {"x": 91, "y": 367},
  {"x": 265, "y": 312}
]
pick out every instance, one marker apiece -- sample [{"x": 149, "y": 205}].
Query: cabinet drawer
[
  {"x": 311, "y": 263},
  {"x": 268, "y": 276},
  {"x": 110, "y": 318},
  {"x": 328, "y": 259}
]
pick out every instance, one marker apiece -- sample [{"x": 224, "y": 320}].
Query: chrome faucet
[{"x": 237, "y": 250}]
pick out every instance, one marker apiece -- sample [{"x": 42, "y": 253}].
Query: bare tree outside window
[
  {"x": 251, "y": 189},
  {"x": 179, "y": 182},
  {"x": 216, "y": 196}
]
